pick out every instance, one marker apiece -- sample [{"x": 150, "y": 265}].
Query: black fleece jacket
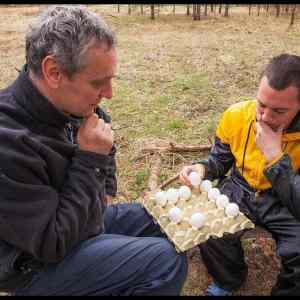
[{"x": 51, "y": 192}]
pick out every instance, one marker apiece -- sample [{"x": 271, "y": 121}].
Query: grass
[{"x": 175, "y": 78}]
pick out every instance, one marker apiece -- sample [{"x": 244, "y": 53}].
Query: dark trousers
[
  {"x": 130, "y": 258},
  {"x": 224, "y": 257}
]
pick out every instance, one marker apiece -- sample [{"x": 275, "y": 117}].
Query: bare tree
[
  {"x": 277, "y": 10},
  {"x": 196, "y": 11},
  {"x": 226, "y": 14},
  {"x": 293, "y": 14},
  {"x": 187, "y": 9},
  {"x": 287, "y": 9},
  {"x": 152, "y": 11},
  {"x": 267, "y": 8}
]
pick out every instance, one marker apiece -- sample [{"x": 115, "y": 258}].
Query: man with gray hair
[{"x": 57, "y": 167}]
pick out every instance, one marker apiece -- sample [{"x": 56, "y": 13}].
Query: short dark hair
[{"x": 283, "y": 71}]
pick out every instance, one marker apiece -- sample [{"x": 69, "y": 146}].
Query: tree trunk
[
  {"x": 152, "y": 12},
  {"x": 196, "y": 11},
  {"x": 129, "y": 9},
  {"x": 211, "y": 8},
  {"x": 118, "y": 8},
  {"x": 277, "y": 10},
  {"x": 187, "y": 9},
  {"x": 205, "y": 10},
  {"x": 142, "y": 9},
  {"x": 226, "y": 10},
  {"x": 250, "y": 9},
  {"x": 287, "y": 9},
  {"x": 174, "y": 9},
  {"x": 220, "y": 9},
  {"x": 293, "y": 15},
  {"x": 258, "y": 9}
]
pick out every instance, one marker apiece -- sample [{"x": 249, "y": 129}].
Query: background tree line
[{"x": 196, "y": 11}]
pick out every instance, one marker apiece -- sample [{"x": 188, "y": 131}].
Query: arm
[
  {"x": 111, "y": 178},
  {"x": 219, "y": 161},
  {"x": 39, "y": 219},
  {"x": 286, "y": 183}
]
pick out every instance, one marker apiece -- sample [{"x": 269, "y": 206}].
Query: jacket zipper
[{"x": 70, "y": 132}]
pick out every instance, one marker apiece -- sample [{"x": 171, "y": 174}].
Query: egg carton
[{"x": 182, "y": 233}]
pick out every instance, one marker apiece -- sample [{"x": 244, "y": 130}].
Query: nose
[
  {"x": 266, "y": 115},
  {"x": 106, "y": 92}
]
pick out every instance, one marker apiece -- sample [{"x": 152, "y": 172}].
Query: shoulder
[{"x": 240, "y": 112}]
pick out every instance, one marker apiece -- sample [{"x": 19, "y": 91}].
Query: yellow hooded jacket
[{"x": 237, "y": 129}]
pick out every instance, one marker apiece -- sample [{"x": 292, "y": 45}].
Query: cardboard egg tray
[{"x": 182, "y": 234}]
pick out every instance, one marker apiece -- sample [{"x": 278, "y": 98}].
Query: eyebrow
[
  {"x": 103, "y": 79},
  {"x": 276, "y": 108}
]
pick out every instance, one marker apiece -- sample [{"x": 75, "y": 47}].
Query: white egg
[
  {"x": 222, "y": 201},
  {"x": 195, "y": 179},
  {"x": 185, "y": 192},
  {"x": 213, "y": 193},
  {"x": 206, "y": 185},
  {"x": 197, "y": 220},
  {"x": 172, "y": 195},
  {"x": 161, "y": 198},
  {"x": 232, "y": 210},
  {"x": 175, "y": 214}
]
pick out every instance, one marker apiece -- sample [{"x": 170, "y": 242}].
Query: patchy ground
[{"x": 175, "y": 78}]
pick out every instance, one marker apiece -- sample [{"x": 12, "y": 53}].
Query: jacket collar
[{"x": 37, "y": 105}]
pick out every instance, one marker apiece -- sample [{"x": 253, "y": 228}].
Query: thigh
[
  {"x": 130, "y": 219},
  {"x": 283, "y": 226},
  {"x": 105, "y": 265}
]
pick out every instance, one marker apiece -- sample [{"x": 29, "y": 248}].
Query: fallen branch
[
  {"x": 169, "y": 181},
  {"x": 177, "y": 148},
  {"x": 155, "y": 171}
]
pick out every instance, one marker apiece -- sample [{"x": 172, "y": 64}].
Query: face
[
  {"x": 276, "y": 108},
  {"x": 81, "y": 94}
]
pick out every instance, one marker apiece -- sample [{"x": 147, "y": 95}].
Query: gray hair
[{"x": 66, "y": 33}]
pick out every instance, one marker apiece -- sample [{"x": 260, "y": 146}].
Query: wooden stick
[
  {"x": 177, "y": 148},
  {"x": 169, "y": 181},
  {"x": 155, "y": 171}
]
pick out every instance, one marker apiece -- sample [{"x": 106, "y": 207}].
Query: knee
[{"x": 167, "y": 255}]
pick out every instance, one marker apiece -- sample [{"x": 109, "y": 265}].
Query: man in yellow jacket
[{"x": 259, "y": 141}]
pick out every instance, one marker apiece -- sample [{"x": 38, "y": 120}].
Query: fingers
[
  {"x": 184, "y": 175},
  {"x": 91, "y": 121}
]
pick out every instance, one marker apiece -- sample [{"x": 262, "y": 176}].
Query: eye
[
  {"x": 261, "y": 104},
  {"x": 279, "y": 111},
  {"x": 97, "y": 83}
]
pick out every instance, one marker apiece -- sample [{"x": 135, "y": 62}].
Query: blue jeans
[{"x": 132, "y": 257}]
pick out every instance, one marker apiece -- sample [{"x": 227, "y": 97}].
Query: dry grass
[{"x": 176, "y": 76}]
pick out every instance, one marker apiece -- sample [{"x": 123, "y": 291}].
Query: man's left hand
[{"x": 268, "y": 140}]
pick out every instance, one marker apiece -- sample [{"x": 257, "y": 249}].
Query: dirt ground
[{"x": 175, "y": 78}]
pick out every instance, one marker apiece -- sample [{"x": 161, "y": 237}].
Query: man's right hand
[
  {"x": 185, "y": 171},
  {"x": 95, "y": 135}
]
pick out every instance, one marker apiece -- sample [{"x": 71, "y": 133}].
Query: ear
[{"x": 51, "y": 72}]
